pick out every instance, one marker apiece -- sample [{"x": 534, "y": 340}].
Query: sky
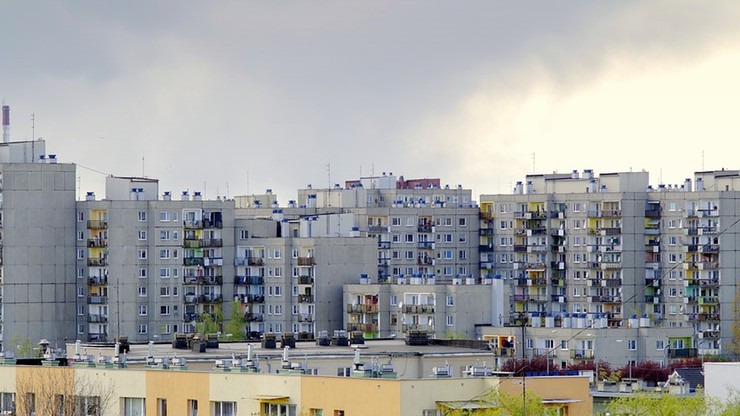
[{"x": 235, "y": 97}]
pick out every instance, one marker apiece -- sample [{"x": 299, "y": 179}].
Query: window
[
  {"x": 632, "y": 344},
  {"x": 80, "y": 273},
  {"x": 294, "y": 254},
  {"x": 164, "y": 216},
  {"x": 164, "y": 253},
  {"x": 7, "y": 403},
  {"x": 142, "y": 291},
  {"x": 142, "y": 235},
  {"x": 462, "y": 254},
  {"x": 277, "y": 291},
  {"x": 143, "y": 329},
  {"x": 164, "y": 291},
  {"x": 450, "y": 320},
  {"x": 530, "y": 343},
  {"x": 142, "y": 216},
  {"x": 448, "y": 254},
  {"x": 164, "y": 310},
  {"x": 80, "y": 292},
  {"x": 672, "y": 206},
  {"x": 395, "y": 221},
  {"x": 142, "y": 310},
  {"x": 450, "y": 300},
  {"x": 410, "y": 221},
  {"x": 80, "y": 254},
  {"x": 132, "y": 406},
  {"x": 462, "y": 222},
  {"x": 278, "y": 272},
  {"x": 81, "y": 328},
  {"x": 142, "y": 273},
  {"x": 275, "y": 409},
  {"x": 80, "y": 235},
  {"x": 660, "y": 344},
  {"x": 164, "y": 234},
  {"x": 243, "y": 234},
  {"x": 278, "y": 309},
  {"x": 408, "y": 254},
  {"x": 409, "y": 238},
  {"x": 80, "y": 216},
  {"x": 142, "y": 254},
  {"x": 447, "y": 238},
  {"x": 563, "y": 344},
  {"x": 278, "y": 253},
  {"x": 192, "y": 408},
  {"x": 164, "y": 272},
  {"x": 161, "y": 407}
]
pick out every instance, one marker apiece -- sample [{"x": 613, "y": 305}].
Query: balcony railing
[
  {"x": 97, "y": 319},
  {"x": 424, "y": 228},
  {"x": 253, "y": 317},
  {"x": 305, "y": 280},
  {"x": 377, "y": 229},
  {"x": 682, "y": 353},
  {"x": 192, "y": 224},
  {"x": 97, "y": 242},
  {"x": 97, "y": 225},
  {"x": 98, "y": 281},
  {"x": 582, "y": 354},
  {"x": 192, "y": 261},
  {"x": 97, "y": 300},
  {"x": 305, "y": 299},
  {"x": 97, "y": 262}
]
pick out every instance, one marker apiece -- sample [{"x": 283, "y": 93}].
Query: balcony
[
  {"x": 253, "y": 299},
  {"x": 519, "y": 298},
  {"x": 192, "y": 224},
  {"x": 210, "y": 299},
  {"x": 709, "y": 335},
  {"x": 362, "y": 308},
  {"x": 503, "y": 352},
  {"x": 582, "y": 354},
  {"x": 97, "y": 319},
  {"x": 188, "y": 243},
  {"x": 97, "y": 262},
  {"x": 98, "y": 281},
  {"x": 190, "y": 299},
  {"x": 486, "y": 215},
  {"x": 207, "y": 223},
  {"x": 425, "y": 228},
  {"x": 97, "y": 242},
  {"x": 305, "y": 299},
  {"x": 709, "y": 300},
  {"x": 703, "y": 317},
  {"x": 213, "y": 261},
  {"x": 611, "y": 299},
  {"x": 373, "y": 328},
  {"x": 377, "y": 229},
  {"x": 418, "y": 308},
  {"x": 425, "y": 261},
  {"x": 305, "y": 318},
  {"x": 306, "y": 261},
  {"x": 253, "y": 317},
  {"x": 305, "y": 280},
  {"x": 425, "y": 245},
  {"x": 192, "y": 261},
  {"x": 212, "y": 242},
  {"x": 486, "y": 232},
  {"x": 97, "y": 300},
  {"x": 255, "y": 261},
  {"x": 97, "y": 225},
  {"x": 652, "y": 213},
  {"x": 682, "y": 353},
  {"x": 97, "y": 337},
  {"x": 249, "y": 280}
]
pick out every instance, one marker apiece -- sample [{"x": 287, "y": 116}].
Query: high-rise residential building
[
  {"x": 611, "y": 257},
  {"x": 37, "y": 244},
  {"x": 148, "y": 268}
]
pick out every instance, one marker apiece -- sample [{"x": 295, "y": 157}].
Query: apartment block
[
  {"x": 37, "y": 244},
  {"x": 613, "y": 255}
]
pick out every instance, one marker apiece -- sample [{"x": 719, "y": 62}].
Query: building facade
[{"x": 612, "y": 254}]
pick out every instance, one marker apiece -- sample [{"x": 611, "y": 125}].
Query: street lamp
[{"x": 522, "y": 316}]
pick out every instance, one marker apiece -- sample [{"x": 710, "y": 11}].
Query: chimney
[{"x": 6, "y": 123}]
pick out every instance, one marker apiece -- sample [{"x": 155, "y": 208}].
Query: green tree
[
  {"x": 209, "y": 323},
  {"x": 23, "y": 347},
  {"x": 496, "y": 403},
  {"x": 235, "y": 324},
  {"x": 663, "y": 404}
]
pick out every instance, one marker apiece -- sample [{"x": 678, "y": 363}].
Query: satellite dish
[{"x": 400, "y": 304}]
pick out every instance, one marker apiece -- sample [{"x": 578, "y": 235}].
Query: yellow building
[{"x": 89, "y": 389}]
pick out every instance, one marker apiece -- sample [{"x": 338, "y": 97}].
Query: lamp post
[{"x": 522, "y": 316}]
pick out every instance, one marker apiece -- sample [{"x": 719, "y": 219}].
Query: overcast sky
[{"x": 233, "y": 97}]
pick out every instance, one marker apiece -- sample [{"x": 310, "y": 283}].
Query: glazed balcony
[
  {"x": 192, "y": 261},
  {"x": 212, "y": 242},
  {"x": 384, "y": 245},
  {"x": 207, "y": 223},
  {"x": 362, "y": 308},
  {"x": 377, "y": 229},
  {"x": 682, "y": 353},
  {"x": 97, "y": 300},
  {"x": 255, "y": 261},
  {"x": 192, "y": 243},
  {"x": 306, "y": 261},
  {"x": 192, "y": 224},
  {"x": 249, "y": 280},
  {"x": 425, "y": 245},
  {"x": 424, "y": 228},
  {"x": 305, "y": 280},
  {"x": 98, "y": 281}
]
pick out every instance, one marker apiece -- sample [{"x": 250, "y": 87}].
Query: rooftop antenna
[
  {"x": 143, "y": 175},
  {"x": 328, "y": 173},
  {"x": 33, "y": 126},
  {"x": 6, "y": 122},
  {"x": 534, "y": 170}
]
